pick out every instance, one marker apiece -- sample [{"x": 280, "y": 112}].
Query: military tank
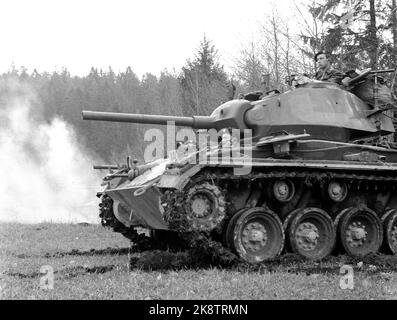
[{"x": 309, "y": 173}]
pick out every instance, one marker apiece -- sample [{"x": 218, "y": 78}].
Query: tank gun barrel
[
  {"x": 106, "y": 166},
  {"x": 197, "y": 122},
  {"x": 383, "y": 71}
]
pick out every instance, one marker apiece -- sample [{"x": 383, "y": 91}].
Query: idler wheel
[
  {"x": 205, "y": 207},
  {"x": 390, "y": 230},
  {"x": 311, "y": 233},
  {"x": 360, "y": 231},
  {"x": 257, "y": 235},
  {"x": 337, "y": 191},
  {"x": 283, "y": 190}
]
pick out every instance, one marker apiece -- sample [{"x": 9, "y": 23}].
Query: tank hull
[{"x": 138, "y": 202}]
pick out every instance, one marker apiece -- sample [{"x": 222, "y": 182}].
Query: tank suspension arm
[{"x": 197, "y": 122}]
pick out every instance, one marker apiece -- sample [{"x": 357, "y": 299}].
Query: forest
[{"x": 358, "y": 33}]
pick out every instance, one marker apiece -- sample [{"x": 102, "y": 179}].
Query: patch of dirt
[
  {"x": 188, "y": 259},
  {"x": 79, "y": 270},
  {"x": 75, "y": 252},
  {"x": 92, "y": 252},
  {"x": 291, "y": 263},
  {"x": 65, "y": 273},
  {"x": 20, "y": 275},
  {"x": 162, "y": 260}
]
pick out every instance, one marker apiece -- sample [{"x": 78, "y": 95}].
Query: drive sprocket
[{"x": 198, "y": 213}]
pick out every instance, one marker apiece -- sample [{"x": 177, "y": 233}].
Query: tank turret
[{"x": 324, "y": 110}]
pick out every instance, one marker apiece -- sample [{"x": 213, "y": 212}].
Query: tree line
[{"x": 198, "y": 88}]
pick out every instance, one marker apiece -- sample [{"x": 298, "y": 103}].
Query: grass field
[{"x": 90, "y": 262}]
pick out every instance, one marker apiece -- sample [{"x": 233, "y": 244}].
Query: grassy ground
[{"x": 90, "y": 262}]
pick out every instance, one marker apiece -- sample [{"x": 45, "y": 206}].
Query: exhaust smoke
[{"x": 45, "y": 174}]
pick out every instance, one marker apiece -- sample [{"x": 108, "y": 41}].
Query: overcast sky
[{"x": 148, "y": 35}]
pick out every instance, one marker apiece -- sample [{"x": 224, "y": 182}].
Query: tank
[{"x": 305, "y": 171}]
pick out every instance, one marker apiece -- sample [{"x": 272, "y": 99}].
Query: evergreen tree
[
  {"x": 204, "y": 82},
  {"x": 355, "y": 32}
]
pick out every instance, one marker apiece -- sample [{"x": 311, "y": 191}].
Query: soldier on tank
[{"x": 325, "y": 71}]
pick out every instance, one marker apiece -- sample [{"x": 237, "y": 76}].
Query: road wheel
[
  {"x": 229, "y": 233},
  {"x": 311, "y": 233},
  {"x": 360, "y": 231},
  {"x": 390, "y": 230},
  {"x": 258, "y": 235}
]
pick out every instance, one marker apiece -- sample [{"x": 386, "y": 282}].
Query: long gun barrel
[
  {"x": 197, "y": 122},
  {"x": 106, "y": 166}
]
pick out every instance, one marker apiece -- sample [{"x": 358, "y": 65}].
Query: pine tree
[
  {"x": 355, "y": 32},
  {"x": 203, "y": 81}
]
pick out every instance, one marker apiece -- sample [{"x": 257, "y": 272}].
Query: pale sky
[{"x": 148, "y": 35}]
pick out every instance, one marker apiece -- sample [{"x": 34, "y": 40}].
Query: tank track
[
  {"x": 211, "y": 242},
  {"x": 108, "y": 220},
  {"x": 309, "y": 176},
  {"x": 158, "y": 240}
]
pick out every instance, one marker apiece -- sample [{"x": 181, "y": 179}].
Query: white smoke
[{"x": 44, "y": 175}]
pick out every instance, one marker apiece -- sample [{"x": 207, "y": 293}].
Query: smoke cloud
[{"x": 45, "y": 174}]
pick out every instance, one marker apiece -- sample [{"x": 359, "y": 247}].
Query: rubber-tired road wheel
[
  {"x": 390, "y": 230},
  {"x": 311, "y": 233},
  {"x": 258, "y": 235},
  {"x": 360, "y": 231},
  {"x": 228, "y": 235}
]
